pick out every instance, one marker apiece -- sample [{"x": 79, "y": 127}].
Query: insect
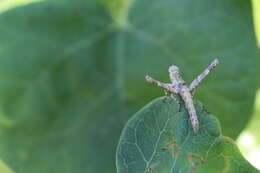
[{"x": 178, "y": 87}]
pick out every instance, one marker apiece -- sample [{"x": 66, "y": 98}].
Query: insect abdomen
[{"x": 187, "y": 98}]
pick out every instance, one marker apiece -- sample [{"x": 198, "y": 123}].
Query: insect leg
[
  {"x": 165, "y": 86},
  {"x": 203, "y": 75}
]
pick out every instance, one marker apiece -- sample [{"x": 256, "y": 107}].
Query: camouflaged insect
[{"x": 178, "y": 87}]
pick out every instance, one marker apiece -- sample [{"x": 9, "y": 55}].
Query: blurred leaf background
[{"x": 72, "y": 74}]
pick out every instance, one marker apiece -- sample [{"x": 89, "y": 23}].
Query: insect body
[{"x": 178, "y": 87}]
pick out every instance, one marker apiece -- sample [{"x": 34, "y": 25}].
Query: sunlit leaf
[
  {"x": 256, "y": 14},
  {"x": 4, "y": 168}
]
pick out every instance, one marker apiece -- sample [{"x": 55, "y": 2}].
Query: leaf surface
[
  {"x": 4, "y": 168},
  {"x": 159, "y": 138},
  {"x": 256, "y": 14}
]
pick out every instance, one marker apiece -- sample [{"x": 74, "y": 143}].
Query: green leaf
[
  {"x": 8, "y": 4},
  {"x": 159, "y": 138},
  {"x": 4, "y": 168},
  {"x": 249, "y": 139},
  {"x": 72, "y": 72},
  {"x": 118, "y": 10},
  {"x": 256, "y": 16}
]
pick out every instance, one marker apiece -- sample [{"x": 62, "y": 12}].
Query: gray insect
[{"x": 178, "y": 87}]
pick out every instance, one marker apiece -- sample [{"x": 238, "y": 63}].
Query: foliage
[
  {"x": 256, "y": 15},
  {"x": 72, "y": 73},
  {"x": 4, "y": 168},
  {"x": 159, "y": 138}
]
